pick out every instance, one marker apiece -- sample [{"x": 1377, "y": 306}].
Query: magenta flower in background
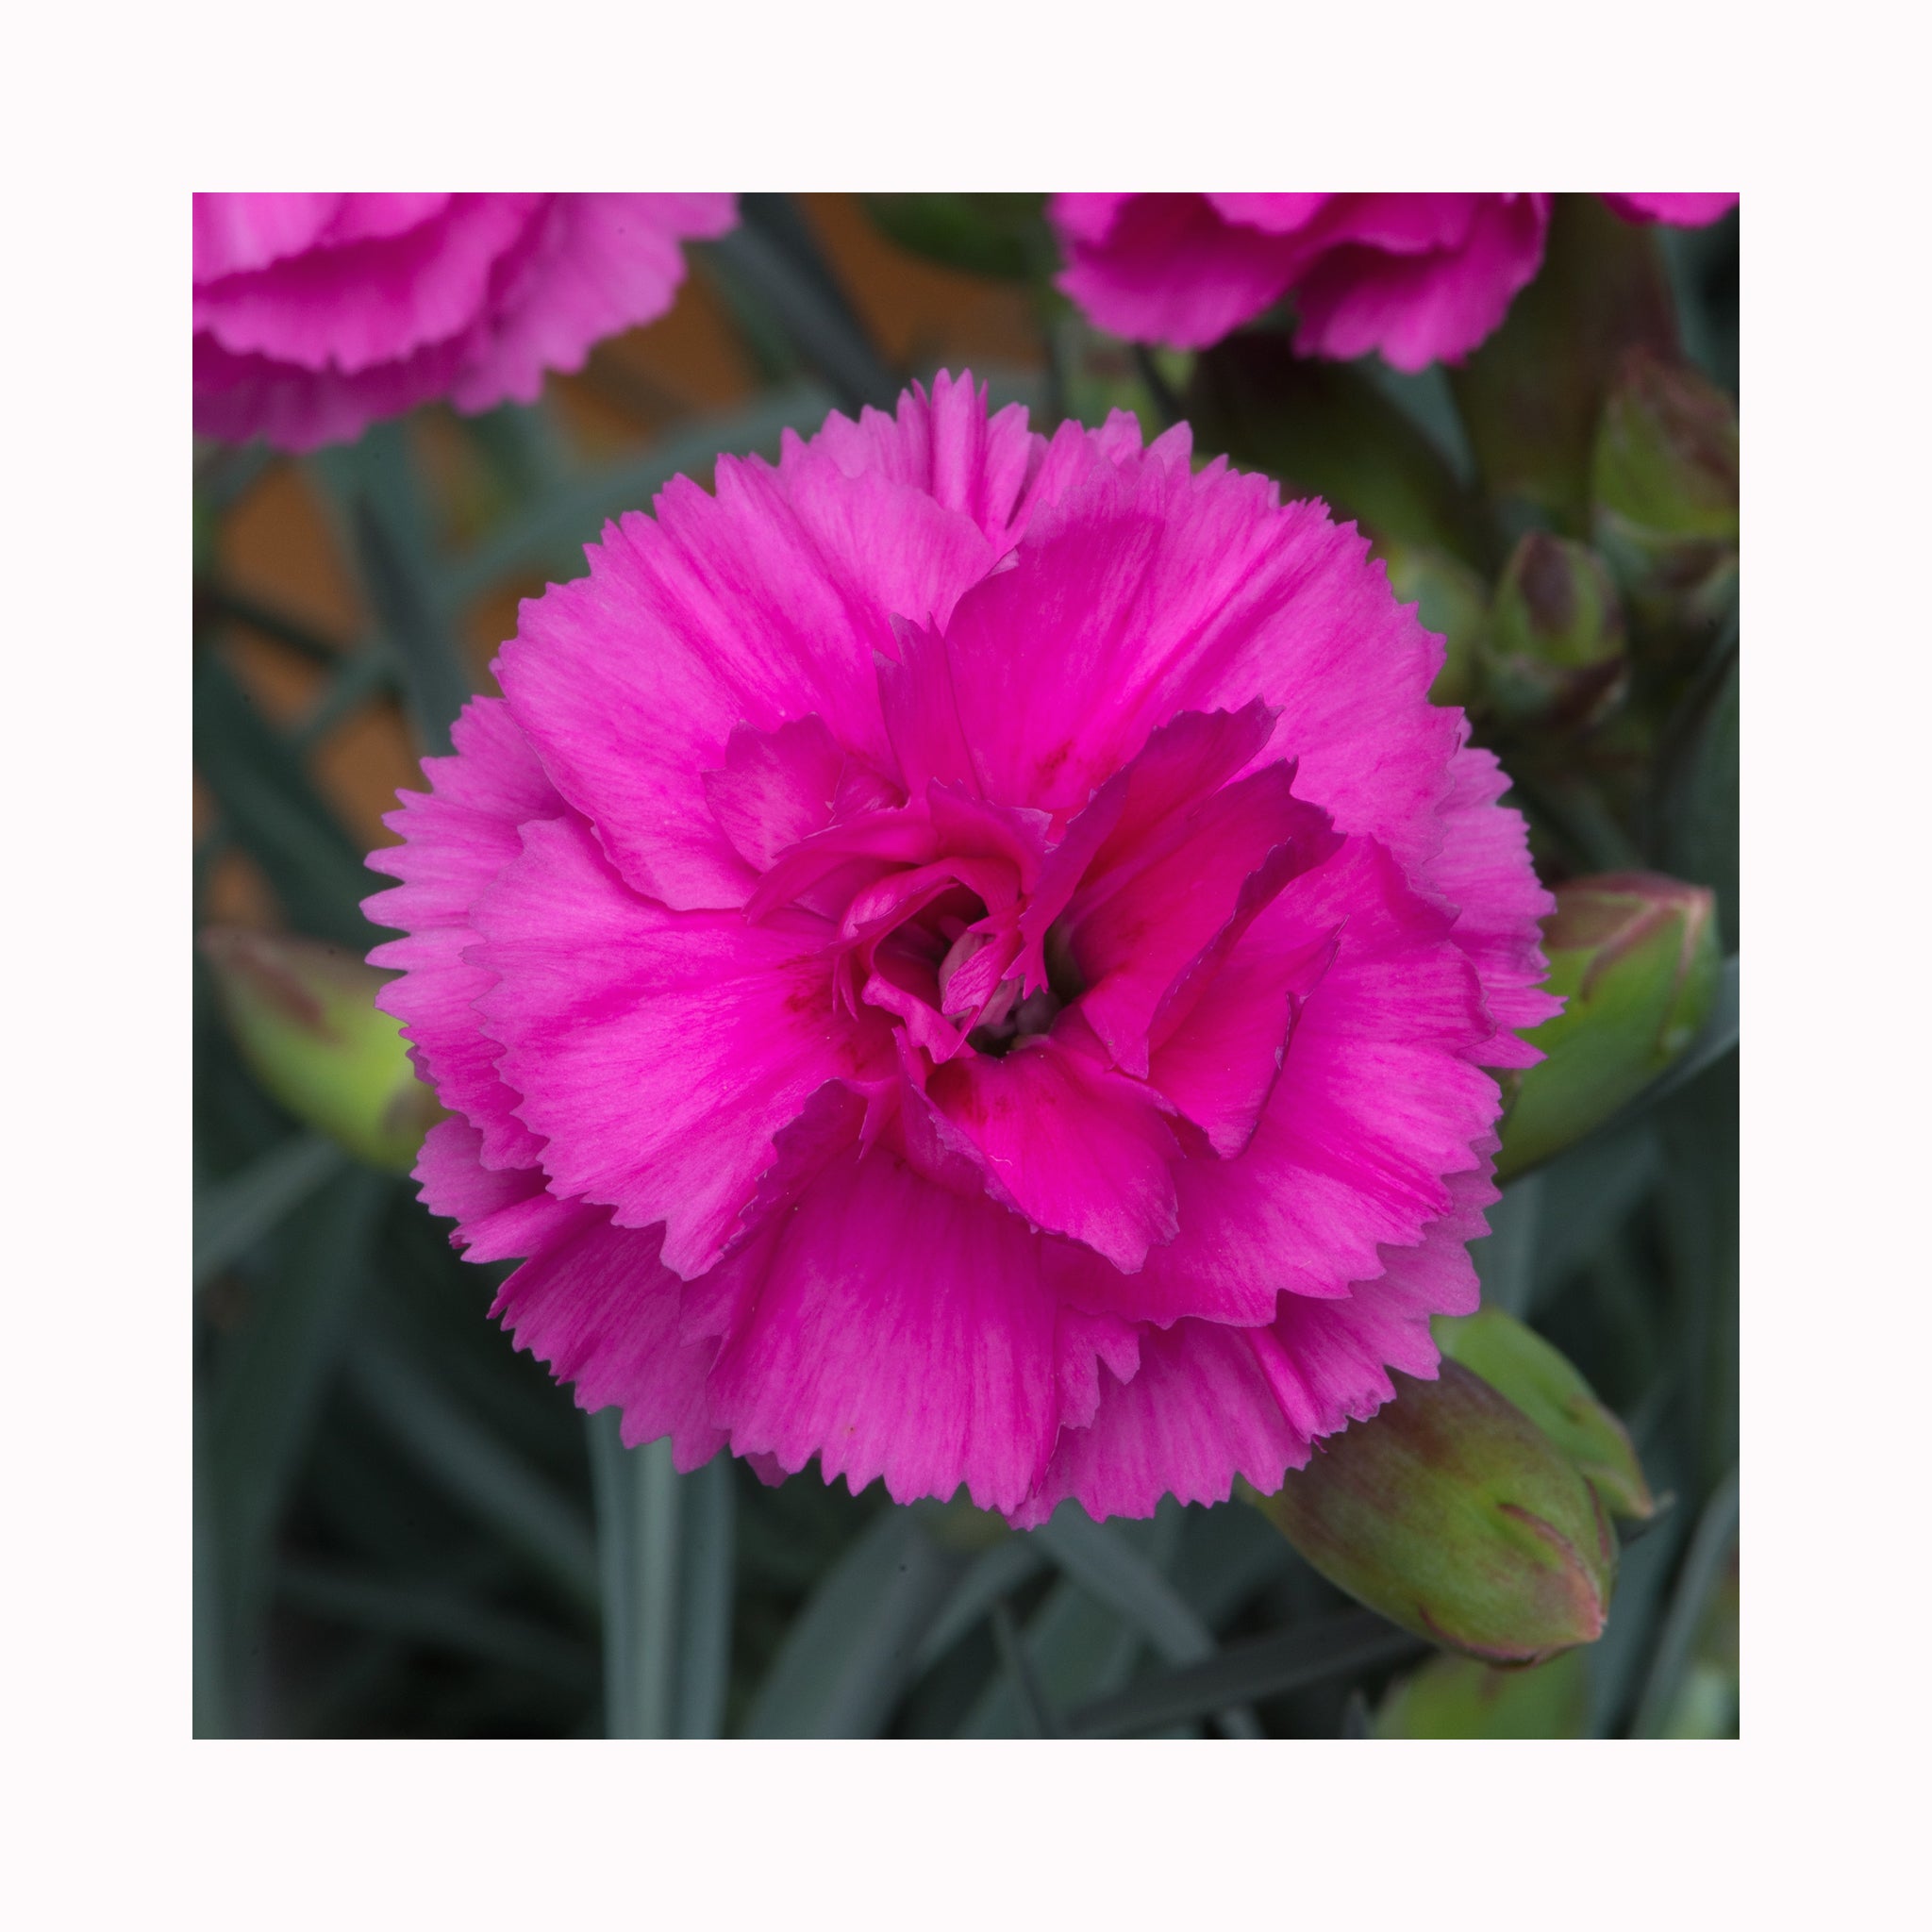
[
  {"x": 317, "y": 314},
  {"x": 1421, "y": 277},
  {"x": 1676, "y": 211},
  {"x": 974, "y": 959}
]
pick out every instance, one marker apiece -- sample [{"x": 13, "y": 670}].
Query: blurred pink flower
[
  {"x": 1678, "y": 210},
  {"x": 1421, "y": 277},
  {"x": 973, "y": 958},
  {"x": 317, "y": 314}
]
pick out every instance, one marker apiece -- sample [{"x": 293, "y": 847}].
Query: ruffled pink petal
[
  {"x": 1171, "y": 270},
  {"x": 1484, "y": 874},
  {"x": 235, "y": 233},
  {"x": 1273, "y": 214},
  {"x": 1220, "y": 1064},
  {"x": 371, "y": 301},
  {"x": 500, "y": 1212},
  {"x": 1679, "y": 210},
  {"x": 922, "y": 712},
  {"x": 1088, "y": 218},
  {"x": 1141, "y": 928},
  {"x": 718, "y": 612},
  {"x": 891, "y": 549},
  {"x": 1168, "y": 592},
  {"x": 776, "y": 787},
  {"x": 1420, "y": 307},
  {"x": 895, "y": 1329},
  {"x": 1376, "y": 1102},
  {"x": 1075, "y": 1147},
  {"x": 1327, "y": 1362},
  {"x": 943, "y": 445},
  {"x": 457, "y": 838},
  {"x": 657, "y": 1051},
  {"x": 1402, "y": 224},
  {"x": 1212, "y": 1401},
  {"x": 237, "y": 397},
  {"x": 601, "y": 1309},
  {"x": 604, "y": 263},
  {"x": 1197, "y": 1413}
]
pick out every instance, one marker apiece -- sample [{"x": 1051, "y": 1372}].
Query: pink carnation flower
[
  {"x": 1421, "y": 277},
  {"x": 316, "y": 314},
  {"x": 973, "y": 958},
  {"x": 1678, "y": 210}
]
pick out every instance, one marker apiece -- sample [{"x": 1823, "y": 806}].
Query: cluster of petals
[
  {"x": 970, "y": 956},
  {"x": 317, "y": 314},
  {"x": 1423, "y": 278}
]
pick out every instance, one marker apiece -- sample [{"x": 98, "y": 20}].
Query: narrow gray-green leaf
[
  {"x": 427, "y": 1614},
  {"x": 269, "y": 1381},
  {"x": 1101, "y": 1562},
  {"x": 638, "y": 1551},
  {"x": 995, "y": 1573},
  {"x": 1242, "y": 1672},
  {"x": 705, "y": 1612},
  {"x": 233, "y": 1214},
  {"x": 436, "y": 680},
  {"x": 1703, "y": 1563},
  {"x": 475, "y": 1467},
  {"x": 848, "y": 1655},
  {"x": 825, "y": 335},
  {"x": 1080, "y": 1651}
]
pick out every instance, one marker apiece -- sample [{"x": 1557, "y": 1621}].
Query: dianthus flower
[
  {"x": 1421, "y": 277},
  {"x": 972, "y": 958},
  {"x": 1676, "y": 211},
  {"x": 317, "y": 314}
]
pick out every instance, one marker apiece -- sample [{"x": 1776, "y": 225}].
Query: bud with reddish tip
[
  {"x": 1554, "y": 655},
  {"x": 1454, "y": 1516},
  {"x": 1664, "y": 482},
  {"x": 304, "y": 1015},
  {"x": 1540, "y": 1379},
  {"x": 1636, "y": 957},
  {"x": 1459, "y": 1697}
]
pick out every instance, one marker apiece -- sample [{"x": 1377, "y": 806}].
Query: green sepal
[{"x": 1541, "y": 1380}]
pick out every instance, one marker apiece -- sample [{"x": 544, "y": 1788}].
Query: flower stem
[{"x": 638, "y": 1495}]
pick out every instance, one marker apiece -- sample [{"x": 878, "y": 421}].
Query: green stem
[{"x": 638, "y": 1497}]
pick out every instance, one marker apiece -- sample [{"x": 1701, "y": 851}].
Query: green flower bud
[
  {"x": 305, "y": 1018},
  {"x": 1518, "y": 1363},
  {"x": 1555, "y": 651},
  {"x": 1636, "y": 955},
  {"x": 1454, "y": 1515},
  {"x": 1665, "y": 466},
  {"x": 1459, "y": 1697},
  {"x": 1664, "y": 488},
  {"x": 1452, "y": 602}
]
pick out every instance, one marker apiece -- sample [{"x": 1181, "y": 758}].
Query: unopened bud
[
  {"x": 1450, "y": 1513},
  {"x": 1636, "y": 955},
  {"x": 1540, "y": 1379},
  {"x": 1459, "y": 1697},
  {"x": 1555, "y": 651},
  {"x": 1664, "y": 488},
  {"x": 304, "y": 1015}
]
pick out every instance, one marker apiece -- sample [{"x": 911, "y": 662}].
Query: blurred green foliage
[{"x": 403, "y": 1529}]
